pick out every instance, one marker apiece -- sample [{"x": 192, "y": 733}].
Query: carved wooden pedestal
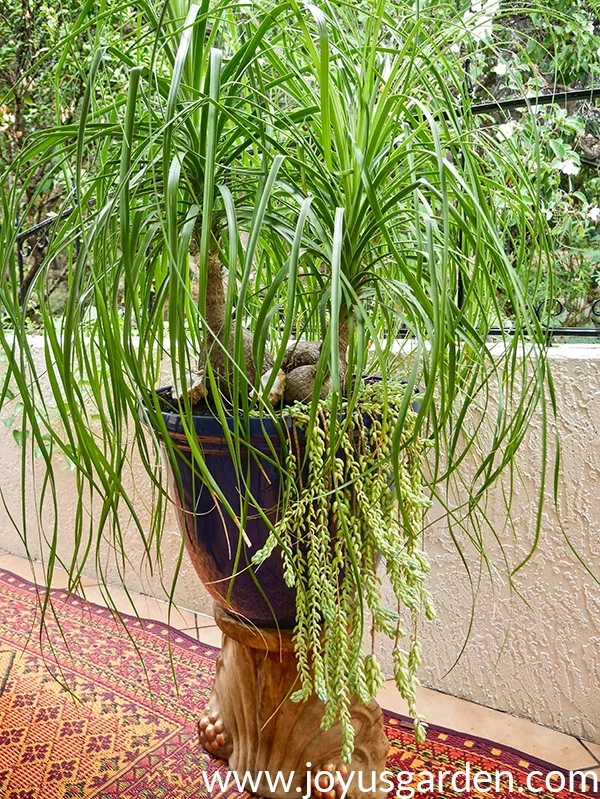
[{"x": 251, "y": 722}]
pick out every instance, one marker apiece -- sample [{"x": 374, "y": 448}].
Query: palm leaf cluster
[{"x": 323, "y": 156}]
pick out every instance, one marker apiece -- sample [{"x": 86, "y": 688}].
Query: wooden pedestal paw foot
[
  {"x": 213, "y": 735},
  {"x": 252, "y": 723}
]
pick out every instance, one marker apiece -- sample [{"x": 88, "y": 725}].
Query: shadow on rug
[{"x": 126, "y": 733}]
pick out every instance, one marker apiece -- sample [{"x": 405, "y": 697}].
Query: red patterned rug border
[{"x": 405, "y": 722}]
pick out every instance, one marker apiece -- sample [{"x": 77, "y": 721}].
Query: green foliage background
[
  {"x": 531, "y": 51},
  {"x": 537, "y": 51}
]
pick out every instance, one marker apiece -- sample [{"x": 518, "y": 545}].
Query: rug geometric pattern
[{"x": 107, "y": 711}]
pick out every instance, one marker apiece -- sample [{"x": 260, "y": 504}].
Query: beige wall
[{"x": 536, "y": 655}]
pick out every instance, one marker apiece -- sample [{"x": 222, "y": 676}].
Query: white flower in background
[
  {"x": 482, "y": 31},
  {"x": 479, "y": 18},
  {"x": 387, "y": 70},
  {"x": 7, "y": 118},
  {"x": 569, "y": 167},
  {"x": 500, "y": 68},
  {"x": 506, "y": 130},
  {"x": 594, "y": 214}
]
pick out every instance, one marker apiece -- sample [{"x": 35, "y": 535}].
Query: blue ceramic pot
[
  {"x": 221, "y": 559},
  {"x": 212, "y": 538}
]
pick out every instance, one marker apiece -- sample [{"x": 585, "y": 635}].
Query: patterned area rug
[{"x": 126, "y": 733}]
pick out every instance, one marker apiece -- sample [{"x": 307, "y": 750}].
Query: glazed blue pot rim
[{"x": 211, "y": 425}]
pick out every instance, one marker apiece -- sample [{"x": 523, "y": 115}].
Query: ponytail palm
[{"x": 322, "y": 158}]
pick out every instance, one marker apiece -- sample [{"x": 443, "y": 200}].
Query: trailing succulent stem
[{"x": 344, "y": 516}]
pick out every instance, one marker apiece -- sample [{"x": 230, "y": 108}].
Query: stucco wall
[{"x": 533, "y": 651}]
